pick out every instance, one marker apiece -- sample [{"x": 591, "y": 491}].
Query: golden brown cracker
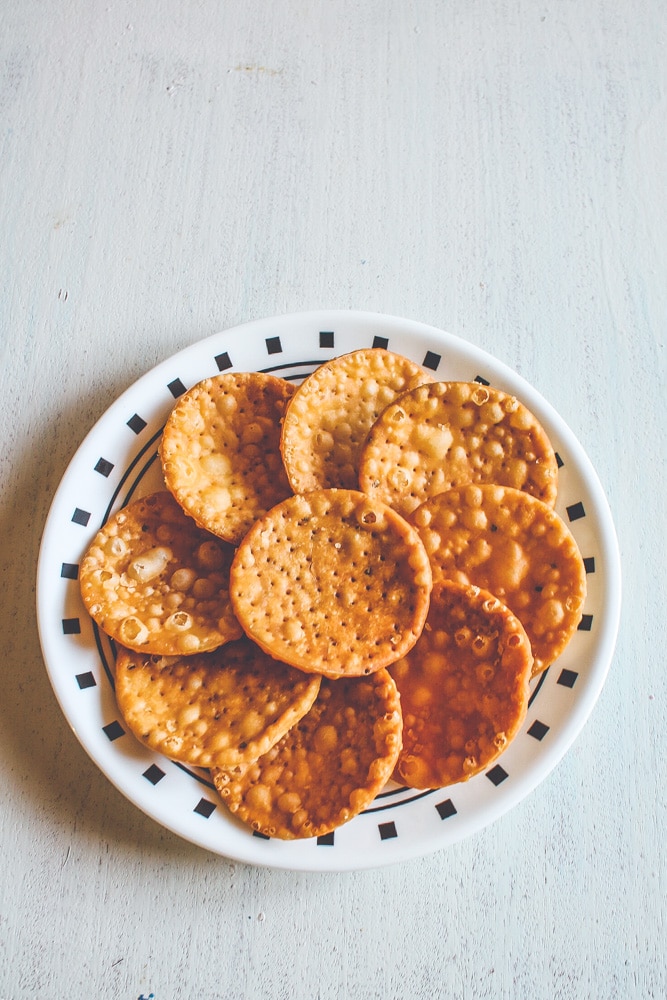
[
  {"x": 157, "y": 583},
  {"x": 220, "y": 450},
  {"x": 332, "y": 582},
  {"x": 464, "y": 688},
  {"x": 332, "y": 411},
  {"x": 218, "y": 709},
  {"x": 447, "y": 434},
  {"x": 328, "y": 768},
  {"x": 517, "y": 547}
]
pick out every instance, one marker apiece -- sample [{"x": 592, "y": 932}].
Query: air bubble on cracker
[{"x": 133, "y": 631}]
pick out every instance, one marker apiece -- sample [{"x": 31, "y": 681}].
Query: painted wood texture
[{"x": 496, "y": 169}]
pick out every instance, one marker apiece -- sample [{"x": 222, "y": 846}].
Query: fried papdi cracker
[
  {"x": 517, "y": 547},
  {"x": 218, "y": 709},
  {"x": 332, "y": 582},
  {"x": 328, "y": 768},
  {"x": 464, "y": 688},
  {"x": 155, "y": 582},
  {"x": 450, "y": 433},
  {"x": 332, "y": 411},
  {"x": 220, "y": 450}
]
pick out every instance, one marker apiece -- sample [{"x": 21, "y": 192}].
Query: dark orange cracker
[
  {"x": 517, "y": 547},
  {"x": 328, "y": 768},
  {"x": 464, "y": 688}
]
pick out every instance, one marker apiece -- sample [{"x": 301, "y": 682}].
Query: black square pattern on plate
[
  {"x": 431, "y": 360},
  {"x": 273, "y": 345},
  {"x": 567, "y": 678},
  {"x": 113, "y": 730},
  {"x": 260, "y": 836},
  {"x": 176, "y": 388},
  {"x": 69, "y": 571},
  {"x": 387, "y": 830},
  {"x": 86, "y": 680},
  {"x": 559, "y": 461},
  {"x": 589, "y": 564},
  {"x": 382, "y": 342},
  {"x": 154, "y": 774},
  {"x": 586, "y": 623},
  {"x": 481, "y": 380},
  {"x": 497, "y": 775},
  {"x": 71, "y": 626},
  {"x": 326, "y": 338},
  {"x": 205, "y": 808},
  {"x": 136, "y": 423},
  {"x": 326, "y": 840},
  {"x": 81, "y": 517},
  {"x": 223, "y": 361},
  {"x": 575, "y": 511},
  {"x": 446, "y": 809},
  {"x": 538, "y": 730},
  {"x": 104, "y": 467}
]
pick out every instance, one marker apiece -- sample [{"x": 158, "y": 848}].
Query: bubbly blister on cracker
[
  {"x": 155, "y": 582},
  {"x": 220, "y": 450},
  {"x": 332, "y": 582},
  {"x": 464, "y": 687},
  {"x": 517, "y": 547},
  {"x": 448, "y": 434},
  {"x": 328, "y": 768},
  {"x": 332, "y": 411},
  {"x": 220, "y": 709}
]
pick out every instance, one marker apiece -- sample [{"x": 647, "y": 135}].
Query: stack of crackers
[{"x": 342, "y": 583}]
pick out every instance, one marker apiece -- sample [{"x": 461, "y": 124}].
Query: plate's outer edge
[{"x": 353, "y": 852}]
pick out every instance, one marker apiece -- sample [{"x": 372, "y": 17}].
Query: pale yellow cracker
[
  {"x": 157, "y": 583},
  {"x": 332, "y": 411},
  {"x": 218, "y": 709},
  {"x": 332, "y": 582},
  {"x": 450, "y": 433},
  {"x": 464, "y": 688},
  {"x": 220, "y": 450},
  {"x": 517, "y": 547},
  {"x": 328, "y": 768}
]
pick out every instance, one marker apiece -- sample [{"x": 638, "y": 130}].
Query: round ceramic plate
[{"x": 118, "y": 461}]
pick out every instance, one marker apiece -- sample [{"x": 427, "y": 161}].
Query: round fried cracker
[
  {"x": 218, "y": 709},
  {"x": 328, "y": 768},
  {"x": 332, "y": 582},
  {"x": 157, "y": 583},
  {"x": 332, "y": 411},
  {"x": 517, "y": 547},
  {"x": 447, "y": 434},
  {"x": 464, "y": 688},
  {"x": 220, "y": 450}
]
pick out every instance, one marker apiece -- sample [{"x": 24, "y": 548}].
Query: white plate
[{"x": 117, "y": 461}]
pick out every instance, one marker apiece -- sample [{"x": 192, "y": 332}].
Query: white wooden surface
[{"x": 496, "y": 169}]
